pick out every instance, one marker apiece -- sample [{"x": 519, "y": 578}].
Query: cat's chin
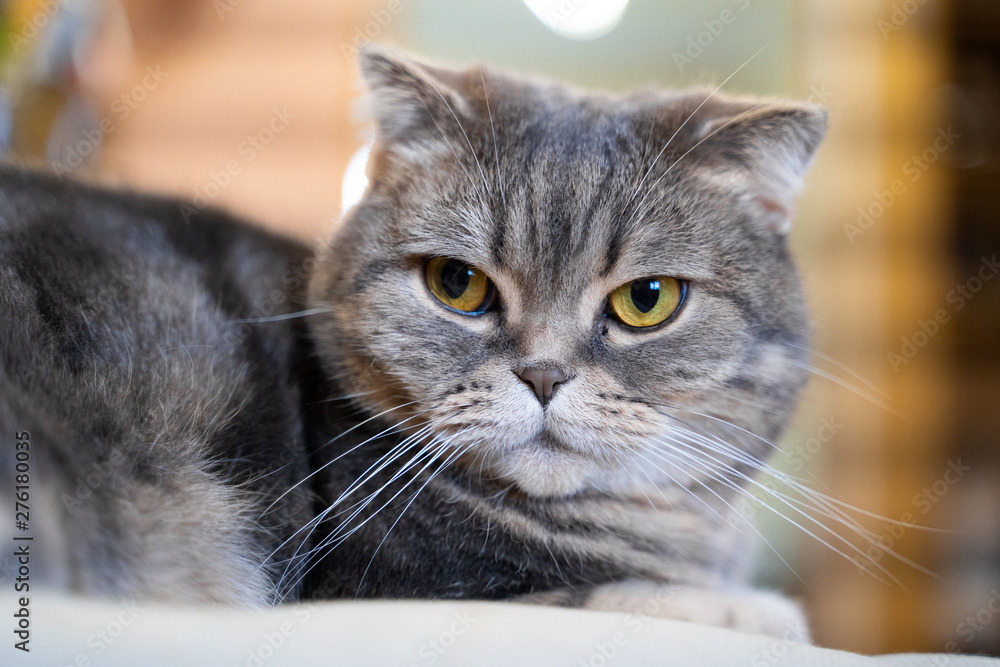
[{"x": 543, "y": 472}]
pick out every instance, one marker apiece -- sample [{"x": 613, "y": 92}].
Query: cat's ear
[
  {"x": 407, "y": 98},
  {"x": 770, "y": 145}
]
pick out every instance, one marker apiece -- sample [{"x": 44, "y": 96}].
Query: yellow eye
[
  {"x": 648, "y": 301},
  {"x": 458, "y": 285}
]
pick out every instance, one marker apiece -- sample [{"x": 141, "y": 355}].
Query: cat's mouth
[
  {"x": 545, "y": 467},
  {"x": 548, "y": 453},
  {"x": 548, "y": 440}
]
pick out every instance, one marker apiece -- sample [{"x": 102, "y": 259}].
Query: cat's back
[
  {"x": 133, "y": 352},
  {"x": 54, "y": 226},
  {"x": 95, "y": 279}
]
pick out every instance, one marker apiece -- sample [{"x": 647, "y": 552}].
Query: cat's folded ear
[
  {"x": 769, "y": 146},
  {"x": 408, "y": 98}
]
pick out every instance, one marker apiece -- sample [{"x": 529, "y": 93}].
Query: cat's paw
[{"x": 736, "y": 608}]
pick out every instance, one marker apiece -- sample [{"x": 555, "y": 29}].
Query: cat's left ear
[
  {"x": 408, "y": 99},
  {"x": 770, "y": 145}
]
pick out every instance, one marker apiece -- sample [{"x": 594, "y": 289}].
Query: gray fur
[
  {"x": 556, "y": 196},
  {"x": 153, "y": 416},
  {"x": 559, "y": 197}
]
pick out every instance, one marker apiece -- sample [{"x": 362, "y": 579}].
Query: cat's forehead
[
  {"x": 560, "y": 188},
  {"x": 572, "y": 195}
]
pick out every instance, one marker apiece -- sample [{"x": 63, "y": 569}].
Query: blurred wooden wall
[
  {"x": 881, "y": 240},
  {"x": 247, "y": 105}
]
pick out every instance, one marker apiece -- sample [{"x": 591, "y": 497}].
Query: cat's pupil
[
  {"x": 455, "y": 278},
  {"x": 645, "y": 294}
]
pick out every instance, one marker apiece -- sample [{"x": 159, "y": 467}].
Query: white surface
[{"x": 69, "y": 631}]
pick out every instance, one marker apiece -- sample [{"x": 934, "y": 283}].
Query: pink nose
[{"x": 543, "y": 381}]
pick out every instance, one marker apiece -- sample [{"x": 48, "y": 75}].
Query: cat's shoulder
[{"x": 36, "y": 201}]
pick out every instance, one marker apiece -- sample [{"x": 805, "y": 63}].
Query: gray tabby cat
[{"x": 540, "y": 361}]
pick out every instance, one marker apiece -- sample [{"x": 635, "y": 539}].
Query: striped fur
[
  {"x": 559, "y": 197},
  {"x": 382, "y": 445}
]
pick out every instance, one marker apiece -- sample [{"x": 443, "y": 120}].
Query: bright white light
[
  {"x": 355, "y": 179},
  {"x": 579, "y": 19}
]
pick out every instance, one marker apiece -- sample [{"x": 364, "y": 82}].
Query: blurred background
[{"x": 248, "y": 105}]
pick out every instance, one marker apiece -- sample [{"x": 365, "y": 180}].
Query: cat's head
[{"x": 569, "y": 290}]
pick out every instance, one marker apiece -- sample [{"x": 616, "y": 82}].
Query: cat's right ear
[
  {"x": 770, "y": 145},
  {"x": 408, "y": 99}
]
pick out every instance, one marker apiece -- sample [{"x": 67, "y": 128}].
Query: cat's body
[
  {"x": 149, "y": 409},
  {"x": 240, "y": 457}
]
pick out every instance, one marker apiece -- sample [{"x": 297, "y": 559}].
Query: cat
[{"x": 540, "y": 361}]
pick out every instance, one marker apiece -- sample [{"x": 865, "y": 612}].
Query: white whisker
[
  {"x": 496, "y": 150},
  {"x": 451, "y": 458},
  {"x": 664, "y": 456},
  {"x": 692, "y": 114},
  {"x": 850, "y": 387},
  {"x": 713, "y": 465},
  {"x": 280, "y": 318},
  {"x": 389, "y": 430},
  {"x": 844, "y": 367}
]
